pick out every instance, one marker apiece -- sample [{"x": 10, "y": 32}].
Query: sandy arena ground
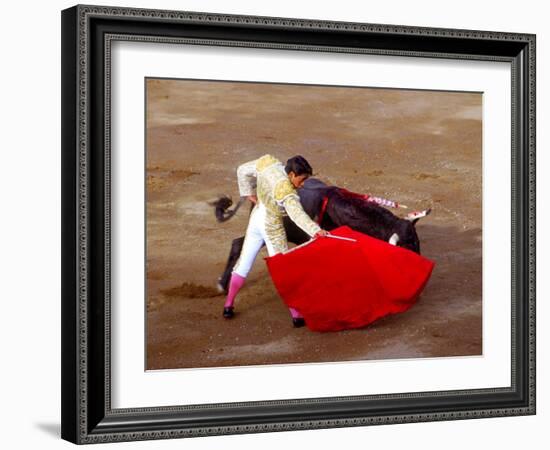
[{"x": 422, "y": 149}]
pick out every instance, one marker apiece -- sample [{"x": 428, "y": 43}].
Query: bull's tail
[{"x": 221, "y": 208}]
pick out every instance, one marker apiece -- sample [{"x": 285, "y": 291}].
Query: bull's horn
[{"x": 394, "y": 239}]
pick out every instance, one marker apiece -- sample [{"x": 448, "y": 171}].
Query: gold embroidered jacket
[{"x": 266, "y": 177}]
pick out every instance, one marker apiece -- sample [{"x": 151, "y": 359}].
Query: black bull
[{"x": 341, "y": 209}]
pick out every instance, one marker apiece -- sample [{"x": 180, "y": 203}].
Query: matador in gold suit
[{"x": 272, "y": 187}]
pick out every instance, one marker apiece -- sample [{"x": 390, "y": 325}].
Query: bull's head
[
  {"x": 411, "y": 242},
  {"x": 408, "y": 239}
]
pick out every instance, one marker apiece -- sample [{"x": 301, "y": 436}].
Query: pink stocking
[
  {"x": 295, "y": 314},
  {"x": 235, "y": 285}
]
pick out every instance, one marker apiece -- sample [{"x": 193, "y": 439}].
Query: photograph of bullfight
[{"x": 402, "y": 167}]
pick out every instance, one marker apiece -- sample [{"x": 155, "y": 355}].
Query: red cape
[{"x": 337, "y": 284}]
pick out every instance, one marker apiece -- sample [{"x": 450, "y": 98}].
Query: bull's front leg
[{"x": 234, "y": 253}]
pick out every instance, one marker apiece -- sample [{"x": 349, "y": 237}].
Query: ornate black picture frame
[{"x": 87, "y": 34}]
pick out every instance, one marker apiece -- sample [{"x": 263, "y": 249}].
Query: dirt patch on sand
[
  {"x": 191, "y": 290},
  {"x": 425, "y": 176},
  {"x": 375, "y": 173}
]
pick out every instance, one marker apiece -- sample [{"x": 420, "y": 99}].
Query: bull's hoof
[
  {"x": 228, "y": 312},
  {"x": 298, "y": 322}
]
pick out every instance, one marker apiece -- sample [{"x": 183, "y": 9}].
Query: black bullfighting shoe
[
  {"x": 298, "y": 322},
  {"x": 228, "y": 312}
]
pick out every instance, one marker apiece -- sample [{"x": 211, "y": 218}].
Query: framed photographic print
[{"x": 282, "y": 224}]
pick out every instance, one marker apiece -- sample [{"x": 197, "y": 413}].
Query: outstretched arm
[
  {"x": 286, "y": 196},
  {"x": 294, "y": 209}
]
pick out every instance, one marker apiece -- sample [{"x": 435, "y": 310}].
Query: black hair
[{"x": 299, "y": 165}]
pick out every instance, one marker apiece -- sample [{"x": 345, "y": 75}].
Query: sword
[
  {"x": 340, "y": 237},
  {"x": 312, "y": 240}
]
